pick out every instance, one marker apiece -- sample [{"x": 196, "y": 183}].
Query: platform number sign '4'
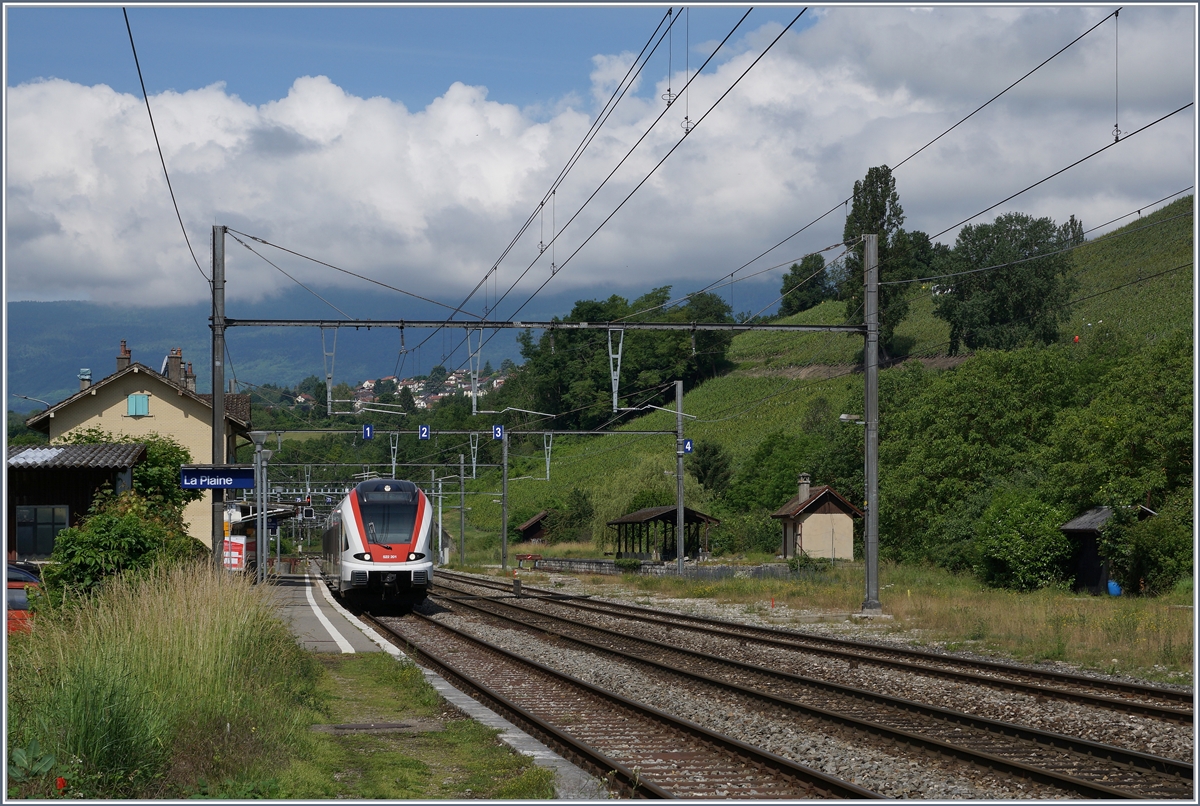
[
  {"x": 368, "y": 431},
  {"x": 422, "y": 432},
  {"x": 497, "y": 432},
  {"x": 688, "y": 446}
]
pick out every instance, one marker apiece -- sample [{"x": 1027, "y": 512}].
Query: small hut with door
[
  {"x": 1091, "y": 568},
  {"x": 818, "y": 522},
  {"x": 650, "y": 534}
]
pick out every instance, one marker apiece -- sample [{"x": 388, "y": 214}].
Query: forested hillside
[{"x": 979, "y": 463}]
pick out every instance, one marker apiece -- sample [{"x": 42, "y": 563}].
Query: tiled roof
[
  {"x": 237, "y": 407},
  {"x": 104, "y": 456},
  {"x": 795, "y": 506}
]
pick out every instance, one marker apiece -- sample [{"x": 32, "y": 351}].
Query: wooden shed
[
  {"x": 1090, "y": 567},
  {"x": 51, "y": 487},
  {"x": 649, "y": 534},
  {"x": 534, "y": 528},
  {"x": 818, "y": 521}
]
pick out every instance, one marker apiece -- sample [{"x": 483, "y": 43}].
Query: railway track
[
  {"x": 1151, "y": 701},
  {"x": 1073, "y": 766},
  {"x": 640, "y": 751}
]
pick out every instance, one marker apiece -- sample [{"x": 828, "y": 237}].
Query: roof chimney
[
  {"x": 85, "y": 378},
  {"x": 123, "y": 357},
  {"x": 175, "y": 366},
  {"x": 189, "y": 378},
  {"x": 804, "y": 480}
]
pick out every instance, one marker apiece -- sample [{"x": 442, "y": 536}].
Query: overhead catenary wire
[
  {"x": 601, "y": 186},
  {"x": 601, "y": 118},
  {"x": 605, "y": 181},
  {"x": 847, "y": 200},
  {"x": 672, "y": 150},
  {"x": 320, "y": 262},
  {"x": 158, "y": 146},
  {"x": 1067, "y": 168},
  {"x": 1040, "y": 255},
  {"x": 290, "y": 277}
]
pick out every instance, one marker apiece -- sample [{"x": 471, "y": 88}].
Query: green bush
[
  {"x": 1020, "y": 545},
  {"x": 1152, "y": 555},
  {"x": 809, "y": 564},
  {"x": 742, "y": 532},
  {"x": 628, "y": 565},
  {"x": 121, "y": 533}
]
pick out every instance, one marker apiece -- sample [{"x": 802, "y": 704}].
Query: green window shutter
[{"x": 139, "y": 405}]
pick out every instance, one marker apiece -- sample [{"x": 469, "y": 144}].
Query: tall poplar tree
[{"x": 875, "y": 210}]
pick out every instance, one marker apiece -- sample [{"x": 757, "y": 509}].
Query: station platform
[{"x": 320, "y": 624}]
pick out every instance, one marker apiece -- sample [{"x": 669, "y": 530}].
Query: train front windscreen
[{"x": 389, "y": 517}]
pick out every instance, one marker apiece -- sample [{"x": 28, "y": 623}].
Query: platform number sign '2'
[
  {"x": 422, "y": 432},
  {"x": 497, "y": 432},
  {"x": 688, "y": 446}
]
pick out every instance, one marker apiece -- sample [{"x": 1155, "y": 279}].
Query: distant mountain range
[{"x": 49, "y": 342}]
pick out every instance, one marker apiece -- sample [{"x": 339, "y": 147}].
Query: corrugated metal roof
[
  {"x": 1089, "y": 521},
  {"x": 1095, "y": 518},
  {"x": 105, "y": 456}
]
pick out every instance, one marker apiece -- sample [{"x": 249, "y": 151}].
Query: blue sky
[
  {"x": 526, "y": 56},
  {"x": 410, "y": 144}
]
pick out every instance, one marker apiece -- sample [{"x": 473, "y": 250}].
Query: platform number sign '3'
[
  {"x": 422, "y": 432},
  {"x": 497, "y": 432},
  {"x": 688, "y": 446}
]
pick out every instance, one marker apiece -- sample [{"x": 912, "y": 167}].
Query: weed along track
[
  {"x": 1021, "y": 745},
  {"x": 640, "y": 751}
]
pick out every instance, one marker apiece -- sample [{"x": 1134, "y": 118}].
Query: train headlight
[
  {"x": 364, "y": 556},
  {"x": 415, "y": 555}
]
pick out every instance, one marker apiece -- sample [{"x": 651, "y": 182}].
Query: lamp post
[{"x": 260, "y": 521}]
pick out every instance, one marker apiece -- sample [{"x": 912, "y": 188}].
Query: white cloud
[{"x": 428, "y": 199}]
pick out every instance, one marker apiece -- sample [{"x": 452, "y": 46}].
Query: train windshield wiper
[{"x": 374, "y": 538}]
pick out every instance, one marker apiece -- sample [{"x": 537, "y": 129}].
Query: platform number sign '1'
[
  {"x": 497, "y": 432},
  {"x": 368, "y": 431},
  {"x": 687, "y": 446},
  {"x": 422, "y": 432}
]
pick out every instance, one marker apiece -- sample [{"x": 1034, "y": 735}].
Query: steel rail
[
  {"x": 861, "y": 651},
  {"x": 633, "y": 781},
  {"x": 1036, "y": 738}
]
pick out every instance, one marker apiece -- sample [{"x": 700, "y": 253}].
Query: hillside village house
[
  {"x": 818, "y": 522},
  {"x": 136, "y": 401}
]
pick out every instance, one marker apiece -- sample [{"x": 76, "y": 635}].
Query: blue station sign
[{"x": 210, "y": 477}]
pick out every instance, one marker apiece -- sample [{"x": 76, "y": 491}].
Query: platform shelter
[{"x": 650, "y": 534}]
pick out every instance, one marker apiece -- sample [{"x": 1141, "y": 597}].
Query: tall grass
[
  {"x": 159, "y": 680},
  {"x": 1142, "y": 636}
]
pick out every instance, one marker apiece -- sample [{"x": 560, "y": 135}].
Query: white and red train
[{"x": 375, "y": 546}]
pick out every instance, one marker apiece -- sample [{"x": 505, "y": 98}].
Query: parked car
[{"x": 20, "y": 580}]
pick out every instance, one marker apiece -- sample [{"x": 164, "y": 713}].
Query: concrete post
[
  {"x": 679, "y": 476},
  {"x": 218, "y": 389},
  {"x": 871, "y": 603}
]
